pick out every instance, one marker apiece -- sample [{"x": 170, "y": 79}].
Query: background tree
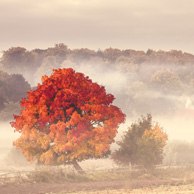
[
  {"x": 68, "y": 118},
  {"x": 19, "y": 60},
  {"x": 82, "y": 55},
  {"x": 60, "y": 51},
  {"x": 12, "y": 89},
  {"x": 167, "y": 75},
  {"x": 142, "y": 144},
  {"x": 13, "y": 59},
  {"x": 10, "y": 108},
  {"x": 17, "y": 87},
  {"x": 166, "y": 81},
  {"x": 179, "y": 152},
  {"x": 111, "y": 54}
]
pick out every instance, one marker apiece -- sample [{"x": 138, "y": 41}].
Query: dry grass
[
  {"x": 175, "y": 180},
  {"x": 183, "y": 174},
  {"x": 183, "y": 189}
]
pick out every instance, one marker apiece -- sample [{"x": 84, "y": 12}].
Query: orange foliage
[
  {"x": 67, "y": 117},
  {"x": 156, "y": 134}
]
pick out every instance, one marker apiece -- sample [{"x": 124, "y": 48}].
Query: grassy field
[
  {"x": 181, "y": 189},
  {"x": 170, "y": 180}
]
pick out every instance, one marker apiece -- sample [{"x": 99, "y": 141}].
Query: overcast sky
[{"x": 98, "y": 24}]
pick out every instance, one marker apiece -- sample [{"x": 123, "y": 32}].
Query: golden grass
[{"x": 182, "y": 189}]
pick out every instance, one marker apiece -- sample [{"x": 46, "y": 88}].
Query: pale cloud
[{"x": 140, "y": 24}]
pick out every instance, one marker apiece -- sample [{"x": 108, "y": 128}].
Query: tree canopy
[
  {"x": 142, "y": 144},
  {"x": 12, "y": 88},
  {"x": 67, "y": 118}
]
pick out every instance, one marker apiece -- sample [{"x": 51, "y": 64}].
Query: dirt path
[{"x": 43, "y": 188}]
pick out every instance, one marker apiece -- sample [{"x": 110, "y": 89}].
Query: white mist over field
[
  {"x": 178, "y": 127},
  {"x": 178, "y": 124},
  {"x": 6, "y": 139},
  {"x": 114, "y": 81}
]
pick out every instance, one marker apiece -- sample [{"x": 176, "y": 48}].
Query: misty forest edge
[{"x": 129, "y": 62}]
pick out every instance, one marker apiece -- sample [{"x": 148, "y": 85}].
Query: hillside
[{"x": 160, "y": 82}]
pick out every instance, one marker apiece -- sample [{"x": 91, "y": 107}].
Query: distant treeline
[
  {"x": 159, "y": 82},
  {"x": 179, "y": 153}
]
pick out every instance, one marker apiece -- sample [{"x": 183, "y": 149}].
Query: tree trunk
[{"x": 78, "y": 167}]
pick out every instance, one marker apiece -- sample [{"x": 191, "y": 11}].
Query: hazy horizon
[{"x": 138, "y": 25}]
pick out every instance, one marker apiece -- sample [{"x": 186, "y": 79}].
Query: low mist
[
  {"x": 6, "y": 139},
  {"x": 139, "y": 87},
  {"x": 114, "y": 81},
  {"x": 174, "y": 112}
]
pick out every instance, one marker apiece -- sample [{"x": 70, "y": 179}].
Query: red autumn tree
[{"x": 68, "y": 118}]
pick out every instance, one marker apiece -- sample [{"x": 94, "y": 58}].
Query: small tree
[
  {"x": 142, "y": 144},
  {"x": 68, "y": 118}
]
